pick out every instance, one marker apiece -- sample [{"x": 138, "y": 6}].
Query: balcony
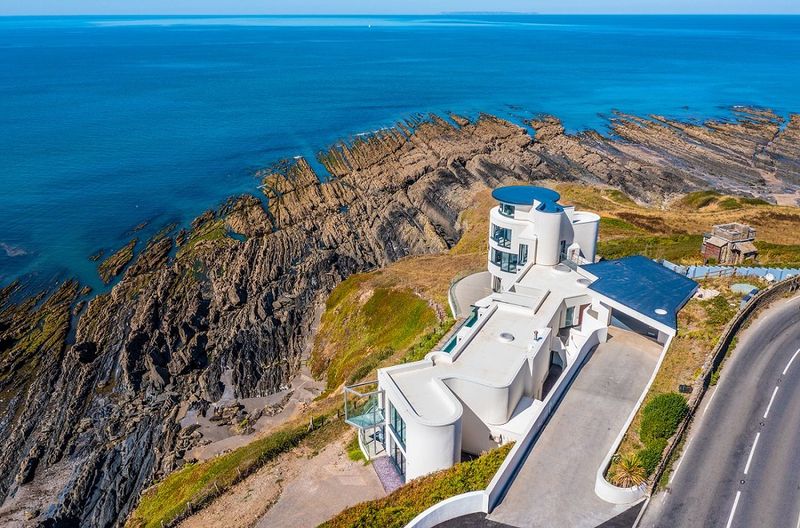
[{"x": 363, "y": 405}]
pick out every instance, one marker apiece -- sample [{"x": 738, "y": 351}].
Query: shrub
[
  {"x": 661, "y": 416},
  {"x": 398, "y": 508},
  {"x": 650, "y": 455},
  {"x": 627, "y": 471},
  {"x": 354, "y": 452}
]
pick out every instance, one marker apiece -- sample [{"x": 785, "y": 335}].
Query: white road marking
[
  {"x": 798, "y": 522},
  {"x": 752, "y": 452},
  {"x": 789, "y": 364},
  {"x": 733, "y": 510},
  {"x": 711, "y": 399},
  {"x": 769, "y": 405},
  {"x": 680, "y": 460}
]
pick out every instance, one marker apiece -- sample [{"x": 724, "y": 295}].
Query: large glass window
[
  {"x": 502, "y": 236},
  {"x": 507, "y": 210},
  {"x": 506, "y": 261},
  {"x": 523, "y": 254},
  {"x": 399, "y": 459},
  {"x": 398, "y": 426}
]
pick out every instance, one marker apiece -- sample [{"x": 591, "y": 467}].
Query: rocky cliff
[{"x": 91, "y": 396}]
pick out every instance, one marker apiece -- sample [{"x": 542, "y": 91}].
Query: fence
[
  {"x": 702, "y": 272},
  {"x": 762, "y": 298}
]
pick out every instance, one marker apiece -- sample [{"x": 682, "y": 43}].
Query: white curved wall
[
  {"x": 586, "y": 234},
  {"x": 548, "y": 230},
  {"x": 431, "y": 448},
  {"x": 449, "y": 509}
]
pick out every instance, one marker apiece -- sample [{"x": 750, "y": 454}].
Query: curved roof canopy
[{"x": 527, "y": 195}]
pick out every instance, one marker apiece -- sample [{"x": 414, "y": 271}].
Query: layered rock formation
[{"x": 100, "y": 397}]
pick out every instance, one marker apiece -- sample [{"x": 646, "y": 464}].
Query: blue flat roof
[
  {"x": 527, "y": 194},
  {"x": 643, "y": 285}
]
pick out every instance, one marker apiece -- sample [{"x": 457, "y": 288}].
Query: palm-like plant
[{"x": 628, "y": 471}]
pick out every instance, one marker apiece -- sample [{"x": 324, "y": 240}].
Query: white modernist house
[{"x": 550, "y": 304}]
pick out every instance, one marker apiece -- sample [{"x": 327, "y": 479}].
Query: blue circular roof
[{"x": 527, "y": 194}]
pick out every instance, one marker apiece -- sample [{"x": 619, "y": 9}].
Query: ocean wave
[{"x": 12, "y": 251}]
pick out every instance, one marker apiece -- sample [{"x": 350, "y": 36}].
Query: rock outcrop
[{"x": 103, "y": 393}]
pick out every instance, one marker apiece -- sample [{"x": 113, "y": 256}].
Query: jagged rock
[
  {"x": 86, "y": 352},
  {"x": 242, "y": 288}
]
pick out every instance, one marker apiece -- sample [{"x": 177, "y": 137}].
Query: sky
[{"x": 238, "y": 7}]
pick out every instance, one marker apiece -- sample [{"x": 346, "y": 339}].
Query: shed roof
[
  {"x": 745, "y": 247},
  {"x": 644, "y": 286},
  {"x": 716, "y": 241}
]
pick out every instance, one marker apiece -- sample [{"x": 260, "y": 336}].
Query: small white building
[{"x": 550, "y": 305}]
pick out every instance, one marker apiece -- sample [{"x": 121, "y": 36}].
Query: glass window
[
  {"x": 502, "y": 236},
  {"x": 507, "y": 210},
  {"x": 506, "y": 261},
  {"x": 563, "y": 250},
  {"x": 523, "y": 254},
  {"x": 398, "y": 426},
  {"x": 399, "y": 459}
]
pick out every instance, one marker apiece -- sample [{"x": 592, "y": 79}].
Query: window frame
[
  {"x": 507, "y": 210},
  {"x": 499, "y": 239},
  {"x": 399, "y": 432},
  {"x": 523, "y": 255}
]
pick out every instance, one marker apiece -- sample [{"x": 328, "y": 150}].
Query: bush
[
  {"x": 661, "y": 416},
  {"x": 354, "y": 452},
  {"x": 627, "y": 472},
  {"x": 650, "y": 455}
]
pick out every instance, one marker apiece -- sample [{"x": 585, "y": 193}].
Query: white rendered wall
[
  {"x": 548, "y": 231},
  {"x": 428, "y": 447},
  {"x": 586, "y": 234},
  {"x": 431, "y": 448}
]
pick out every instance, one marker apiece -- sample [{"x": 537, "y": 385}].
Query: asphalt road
[{"x": 741, "y": 462}]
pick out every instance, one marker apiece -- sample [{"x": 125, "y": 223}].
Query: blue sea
[{"x": 110, "y": 122}]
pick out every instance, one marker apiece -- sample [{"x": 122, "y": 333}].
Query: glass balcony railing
[{"x": 363, "y": 405}]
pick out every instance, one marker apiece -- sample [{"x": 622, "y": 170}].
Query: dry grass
[
  {"x": 700, "y": 324},
  {"x": 692, "y": 214},
  {"x": 399, "y": 312}
]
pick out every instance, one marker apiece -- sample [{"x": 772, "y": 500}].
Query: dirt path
[{"x": 296, "y": 490}]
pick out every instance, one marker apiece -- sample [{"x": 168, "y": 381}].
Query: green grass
[
  {"x": 197, "y": 483},
  {"x": 354, "y": 452},
  {"x": 620, "y": 197},
  {"x": 699, "y": 199},
  {"x": 362, "y": 327},
  {"x": 675, "y": 248},
  {"x": 610, "y": 227},
  {"x": 777, "y": 255},
  {"x": 400, "y": 507},
  {"x": 753, "y": 201},
  {"x": 728, "y": 204}
]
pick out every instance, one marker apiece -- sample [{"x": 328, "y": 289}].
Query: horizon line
[{"x": 443, "y": 13}]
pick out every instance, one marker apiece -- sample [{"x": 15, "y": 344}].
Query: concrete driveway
[{"x": 555, "y": 485}]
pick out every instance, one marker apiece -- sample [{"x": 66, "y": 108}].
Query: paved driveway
[{"x": 555, "y": 486}]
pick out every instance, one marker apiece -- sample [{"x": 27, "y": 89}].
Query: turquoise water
[{"x": 108, "y": 122}]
